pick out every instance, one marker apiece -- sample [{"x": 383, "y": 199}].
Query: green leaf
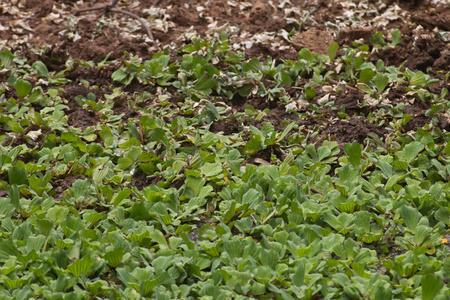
[
  {"x": 100, "y": 173},
  {"x": 381, "y": 81},
  {"x": 133, "y": 131},
  {"x": 35, "y": 243},
  {"x": 366, "y": 65},
  {"x": 364, "y": 87},
  {"x": 310, "y": 92},
  {"x": 385, "y": 167},
  {"x": 124, "y": 163},
  {"x": 377, "y": 39},
  {"x": 418, "y": 79},
  {"x": 412, "y": 150},
  {"x": 392, "y": 181},
  {"x": 41, "y": 69},
  {"x": 245, "y": 90},
  {"x": 22, "y": 88},
  {"x": 286, "y": 131},
  {"x": 436, "y": 190},
  {"x": 210, "y": 170},
  {"x": 8, "y": 249},
  {"x": 269, "y": 258},
  {"x": 161, "y": 263},
  {"x": 211, "y": 107},
  {"x": 6, "y": 209},
  {"x": 354, "y": 152},
  {"x": 253, "y": 146},
  {"x": 283, "y": 78},
  {"x": 6, "y": 57},
  {"x": 159, "y": 135},
  {"x": 396, "y": 37},
  {"x": 250, "y": 196},
  {"x": 332, "y": 51},
  {"x": 194, "y": 185},
  {"x": 146, "y": 287},
  {"x": 158, "y": 237},
  {"x": 299, "y": 277},
  {"x": 186, "y": 239},
  {"x": 81, "y": 266},
  {"x": 80, "y": 187},
  {"x": 366, "y": 75},
  {"x": 306, "y": 54},
  {"x": 61, "y": 283},
  {"x": 14, "y": 195},
  {"x": 253, "y": 65},
  {"x": 410, "y": 216},
  {"x": 382, "y": 293},
  {"x": 420, "y": 233},
  {"x": 443, "y": 215},
  {"x": 134, "y": 153},
  {"x": 17, "y": 175},
  {"x": 401, "y": 165},
  {"x": 205, "y": 84},
  {"x": 258, "y": 288},
  {"x": 121, "y": 76},
  {"x": 45, "y": 226},
  {"x": 431, "y": 286},
  {"x": 229, "y": 214},
  {"x": 114, "y": 257}
]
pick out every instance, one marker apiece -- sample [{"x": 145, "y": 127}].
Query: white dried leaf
[
  {"x": 324, "y": 99},
  {"x": 33, "y": 135},
  {"x": 76, "y": 36},
  {"x": 54, "y": 17},
  {"x": 381, "y": 21},
  {"x": 254, "y": 90},
  {"x": 349, "y": 14},
  {"x": 248, "y": 44},
  {"x": 341, "y": 87},
  {"x": 302, "y": 104},
  {"x": 291, "y": 106},
  {"x": 283, "y": 3},
  {"x": 155, "y": 12},
  {"x": 271, "y": 4},
  {"x": 327, "y": 88},
  {"x": 23, "y": 24},
  {"x": 263, "y": 37},
  {"x": 445, "y": 36},
  {"x": 371, "y": 101},
  {"x": 218, "y": 29},
  {"x": 295, "y": 10},
  {"x": 42, "y": 81},
  {"x": 244, "y": 5},
  {"x": 284, "y": 34}
]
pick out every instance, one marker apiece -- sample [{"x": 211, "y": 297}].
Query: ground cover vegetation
[{"x": 299, "y": 151}]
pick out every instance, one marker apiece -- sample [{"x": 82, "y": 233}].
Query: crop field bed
[{"x": 235, "y": 149}]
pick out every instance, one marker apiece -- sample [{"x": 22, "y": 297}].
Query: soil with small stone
[{"x": 420, "y": 49}]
